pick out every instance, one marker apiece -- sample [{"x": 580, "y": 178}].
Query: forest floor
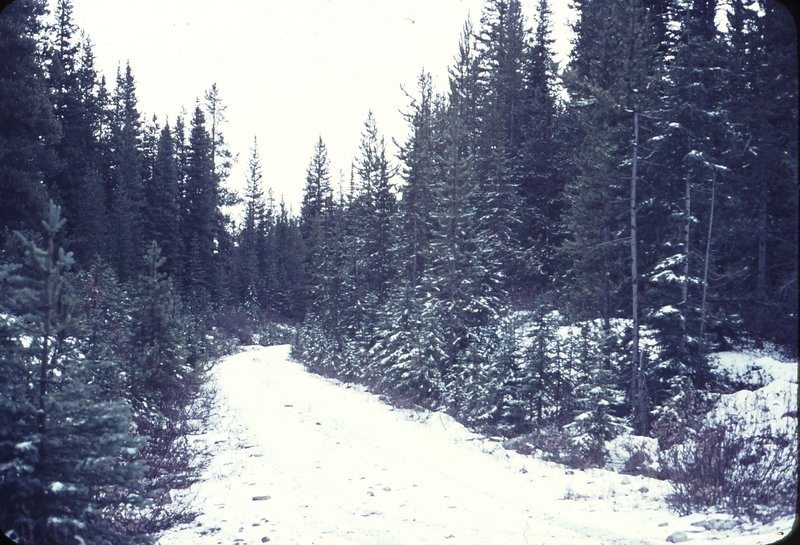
[{"x": 302, "y": 459}]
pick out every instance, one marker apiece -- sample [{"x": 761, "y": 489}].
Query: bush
[
  {"x": 558, "y": 445},
  {"x": 634, "y": 455},
  {"x": 743, "y": 472}
]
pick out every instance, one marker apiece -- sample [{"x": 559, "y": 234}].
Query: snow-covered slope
[{"x": 303, "y": 459}]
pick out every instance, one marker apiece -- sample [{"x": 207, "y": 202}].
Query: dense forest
[{"x": 645, "y": 195}]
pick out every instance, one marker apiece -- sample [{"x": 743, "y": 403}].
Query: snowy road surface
[{"x": 306, "y": 460}]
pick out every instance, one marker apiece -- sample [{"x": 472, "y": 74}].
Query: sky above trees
[{"x": 288, "y": 72}]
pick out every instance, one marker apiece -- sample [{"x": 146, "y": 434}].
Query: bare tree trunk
[
  {"x": 708, "y": 256},
  {"x": 637, "y": 362},
  {"x": 47, "y": 330},
  {"x": 687, "y": 199},
  {"x": 761, "y": 278}
]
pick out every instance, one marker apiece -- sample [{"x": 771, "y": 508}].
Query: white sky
[{"x": 287, "y": 71}]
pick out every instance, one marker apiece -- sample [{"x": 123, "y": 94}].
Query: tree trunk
[
  {"x": 761, "y": 278},
  {"x": 46, "y": 332},
  {"x": 687, "y": 199},
  {"x": 637, "y": 362},
  {"x": 707, "y": 258}
]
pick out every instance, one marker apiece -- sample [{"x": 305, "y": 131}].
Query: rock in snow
[{"x": 677, "y": 537}]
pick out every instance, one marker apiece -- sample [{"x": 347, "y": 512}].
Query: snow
[
  {"x": 303, "y": 459},
  {"x": 57, "y": 487},
  {"x": 753, "y": 368},
  {"x": 25, "y": 446},
  {"x": 771, "y": 399}
]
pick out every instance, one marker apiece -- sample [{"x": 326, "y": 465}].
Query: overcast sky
[{"x": 288, "y": 72}]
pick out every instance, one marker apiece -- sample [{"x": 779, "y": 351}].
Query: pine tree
[
  {"x": 759, "y": 227},
  {"x": 611, "y": 79},
  {"x": 67, "y": 455},
  {"x": 252, "y": 236},
  {"x": 502, "y": 47},
  {"x": 200, "y": 219},
  {"x": 126, "y": 184},
  {"x": 315, "y": 223},
  {"x": 163, "y": 388},
  {"x": 375, "y": 206},
  {"x": 28, "y": 128},
  {"x": 163, "y": 211},
  {"x": 542, "y": 157}
]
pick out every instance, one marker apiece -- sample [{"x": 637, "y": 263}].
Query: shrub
[
  {"x": 558, "y": 445},
  {"x": 746, "y": 472}
]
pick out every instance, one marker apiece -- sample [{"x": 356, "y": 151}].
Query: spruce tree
[
  {"x": 694, "y": 140},
  {"x": 252, "y": 235},
  {"x": 501, "y": 44},
  {"x": 462, "y": 280},
  {"x": 290, "y": 275},
  {"x": 406, "y": 357},
  {"x": 163, "y": 197},
  {"x": 67, "y": 454},
  {"x": 87, "y": 204},
  {"x": 126, "y": 188},
  {"x": 164, "y": 387},
  {"x": 759, "y": 227},
  {"x": 315, "y": 223},
  {"x": 28, "y": 128},
  {"x": 611, "y": 79},
  {"x": 215, "y": 113},
  {"x": 200, "y": 220},
  {"x": 374, "y": 208},
  {"x": 543, "y": 159}
]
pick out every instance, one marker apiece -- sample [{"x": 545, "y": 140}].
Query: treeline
[
  {"x": 647, "y": 190},
  {"x": 115, "y": 290}
]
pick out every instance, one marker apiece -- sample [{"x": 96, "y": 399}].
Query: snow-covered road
[{"x": 303, "y": 459}]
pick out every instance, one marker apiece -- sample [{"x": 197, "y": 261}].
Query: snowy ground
[{"x": 306, "y": 460}]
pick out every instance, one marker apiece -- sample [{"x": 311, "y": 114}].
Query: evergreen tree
[
  {"x": 215, "y": 113},
  {"x": 163, "y": 211},
  {"x": 462, "y": 280},
  {"x": 66, "y": 455},
  {"x": 528, "y": 383},
  {"x": 543, "y": 160},
  {"x": 611, "y": 79},
  {"x": 290, "y": 280},
  {"x": 315, "y": 223},
  {"x": 415, "y": 207},
  {"x": 200, "y": 219},
  {"x": 126, "y": 185},
  {"x": 253, "y": 234},
  {"x": 759, "y": 226},
  {"x": 88, "y": 202},
  {"x": 502, "y": 49},
  {"x": 28, "y": 128},
  {"x": 694, "y": 139},
  {"x": 163, "y": 388},
  {"x": 408, "y": 355},
  {"x": 374, "y": 208},
  {"x": 317, "y": 194}
]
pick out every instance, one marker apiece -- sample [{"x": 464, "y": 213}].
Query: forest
[{"x": 642, "y": 198}]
